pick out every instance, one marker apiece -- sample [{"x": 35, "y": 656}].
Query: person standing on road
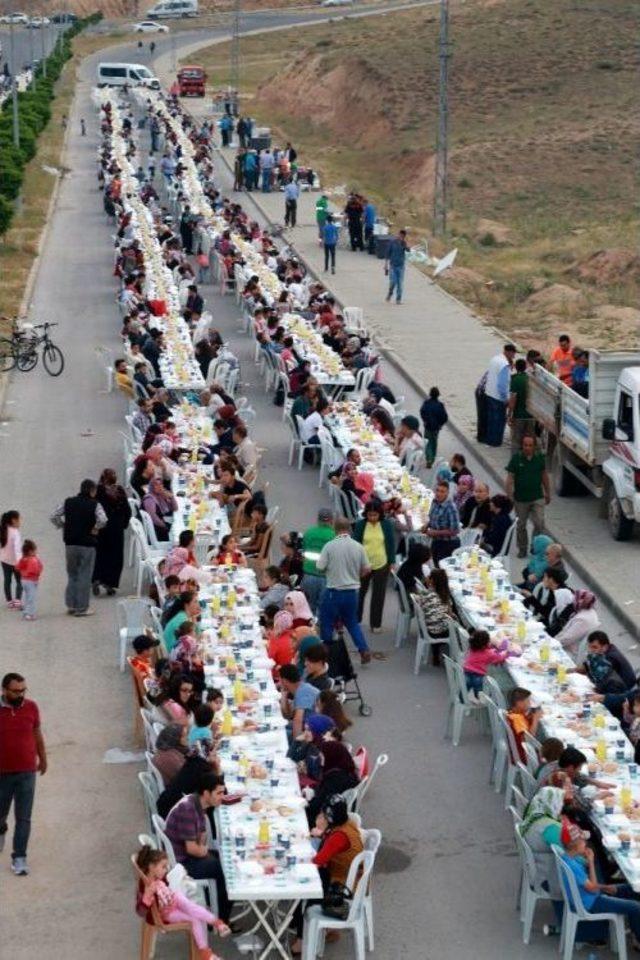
[
  {"x": 369, "y": 224},
  {"x": 330, "y": 240},
  {"x": 375, "y": 533},
  {"x": 394, "y": 265},
  {"x": 291, "y": 194},
  {"x": 353, "y": 213},
  {"x": 110, "y": 545},
  {"x": 81, "y": 518},
  {"x": 10, "y": 553},
  {"x": 267, "y": 164},
  {"x": 520, "y": 420},
  {"x": 22, "y": 753},
  {"x": 313, "y": 541},
  {"x": 434, "y": 416},
  {"x": 443, "y": 524},
  {"x": 527, "y": 484},
  {"x": 83, "y": 127},
  {"x": 344, "y": 563},
  {"x": 496, "y": 395},
  {"x": 322, "y": 212}
]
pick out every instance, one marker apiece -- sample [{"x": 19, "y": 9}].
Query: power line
[{"x": 440, "y": 197}]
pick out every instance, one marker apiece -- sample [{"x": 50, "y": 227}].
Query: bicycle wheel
[
  {"x": 53, "y": 359},
  {"x": 27, "y": 358},
  {"x": 7, "y": 355}
]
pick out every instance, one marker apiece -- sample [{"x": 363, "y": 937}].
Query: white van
[
  {"x": 173, "y": 8},
  {"x": 119, "y": 74}
]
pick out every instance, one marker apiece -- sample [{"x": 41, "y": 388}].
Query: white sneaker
[{"x": 19, "y": 866}]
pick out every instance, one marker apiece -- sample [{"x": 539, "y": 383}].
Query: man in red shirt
[{"x": 22, "y": 753}]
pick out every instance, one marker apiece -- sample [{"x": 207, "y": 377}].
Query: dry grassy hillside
[{"x": 544, "y": 129}]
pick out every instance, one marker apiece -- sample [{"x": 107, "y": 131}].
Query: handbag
[
  {"x": 337, "y": 901},
  {"x": 202, "y": 260}
]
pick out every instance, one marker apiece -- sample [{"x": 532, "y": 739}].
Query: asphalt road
[
  {"x": 28, "y": 44},
  {"x": 447, "y": 874}
]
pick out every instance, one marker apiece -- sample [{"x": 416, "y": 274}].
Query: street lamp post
[
  {"x": 440, "y": 197},
  {"x": 44, "y": 51},
  {"x": 14, "y": 89}
]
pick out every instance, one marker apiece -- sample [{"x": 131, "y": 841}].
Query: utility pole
[
  {"x": 442, "y": 140},
  {"x": 44, "y": 49},
  {"x": 31, "y": 57},
  {"x": 14, "y": 89},
  {"x": 234, "y": 69}
]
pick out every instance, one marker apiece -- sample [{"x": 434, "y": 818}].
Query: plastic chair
[
  {"x": 532, "y": 759},
  {"x": 365, "y": 784},
  {"x": 527, "y": 781},
  {"x": 458, "y": 640},
  {"x": 371, "y": 840},
  {"x": 159, "y": 546},
  {"x": 151, "y": 930},
  {"x": 425, "y": 639},
  {"x": 405, "y": 611},
  {"x": 506, "y": 543},
  {"x": 150, "y": 794},
  {"x": 499, "y": 742},
  {"x": 493, "y": 690},
  {"x": 460, "y": 703},
  {"x": 361, "y": 760},
  {"x": 468, "y": 537},
  {"x": 131, "y": 618},
  {"x": 520, "y": 802},
  {"x": 316, "y": 923},
  {"x": 206, "y": 886},
  {"x": 153, "y": 770},
  {"x": 575, "y": 913},
  {"x": 513, "y": 757},
  {"x": 149, "y": 733},
  {"x": 532, "y": 890}
]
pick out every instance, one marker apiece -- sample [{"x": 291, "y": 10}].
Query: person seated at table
[
  {"x": 144, "y": 646},
  {"x": 599, "y": 644},
  {"x": 186, "y": 829},
  {"x": 316, "y": 667},
  {"x": 522, "y": 717},
  {"x": 617, "y": 898},
  {"x": 537, "y": 561},
  {"x": 233, "y": 491},
  {"x": 548, "y": 755},
  {"x": 305, "y": 749},
  {"x": 382, "y": 423},
  {"x": 170, "y": 751},
  {"x": 437, "y": 605},
  {"x": 443, "y": 524},
  {"x": 329, "y": 705},
  {"x": 476, "y": 511},
  {"x": 298, "y": 606},
  {"x": 172, "y": 905},
  {"x": 412, "y": 569},
  {"x": 172, "y": 587},
  {"x": 229, "y": 554},
  {"x": 550, "y": 599},
  {"x": 181, "y": 556},
  {"x": 123, "y": 380},
  {"x": 464, "y": 487},
  {"x": 176, "y": 702},
  {"x": 291, "y": 562},
  {"x": 185, "y": 607},
  {"x": 341, "y": 842},
  {"x": 298, "y": 698},
  {"x": 458, "y": 467},
  {"x": 160, "y": 504},
  {"x": 583, "y": 620},
  {"x": 375, "y": 393},
  {"x": 258, "y": 527},
  {"x": 542, "y": 827},
  {"x": 201, "y": 731},
  {"x": 274, "y": 587},
  {"x": 501, "y": 520},
  {"x": 481, "y": 655},
  {"x": 280, "y": 641},
  {"x": 339, "y": 773},
  {"x": 143, "y": 471},
  {"x": 185, "y": 654},
  {"x": 407, "y": 438}
]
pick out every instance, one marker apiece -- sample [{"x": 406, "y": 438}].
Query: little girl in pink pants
[{"x": 173, "y": 906}]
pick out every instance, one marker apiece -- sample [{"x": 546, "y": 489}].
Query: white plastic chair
[
  {"x": 405, "y": 612},
  {"x": 513, "y": 757},
  {"x": 131, "y": 618},
  {"x": 532, "y": 759},
  {"x": 506, "y": 543},
  {"x": 150, "y": 794},
  {"x": 458, "y": 640},
  {"x": 159, "y": 546},
  {"x": 575, "y": 913},
  {"x": 365, "y": 784},
  {"x": 316, "y": 923},
  {"x": 460, "y": 704},
  {"x": 202, "y": 548},
  {"x": 153, "y": 770},
  {"x": 499, "y": 742},
  {"x": 532, "y": 890},
  {"x": 371, "y": 840},
  {"x": 520, "y": 802},
  {"x": 469, "y": 536},
  {"x": 527, "y": 781},
  {"x": 425, "y": 639},
  {"x": 492, "y": 689},
  {"x": 150, "y": 735}
]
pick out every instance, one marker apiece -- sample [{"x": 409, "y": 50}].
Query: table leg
[{"x": 274, "y": 935}]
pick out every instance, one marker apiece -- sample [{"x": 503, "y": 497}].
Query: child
[
  {"x": 522, "y": 716},
  {"x": 185, "y": 652},
  {"x": 480, "y": 656},
  {"x": 229, "y": 554},
  {"x": 201, "y": 729},
  {"x": 10, "y": 551},
  {"x": 29, "y": 569},
  {"x": 215, "y": 698},
  {"x": 549, "y": 754},
  {"x": 172, "y": 587},
  {"x": 173, "y": 906}
]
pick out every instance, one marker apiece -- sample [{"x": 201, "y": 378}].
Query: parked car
[
  {"x": 335, "y": 3},
  {"x": 19, "y": 18},
  {"x": 63, "y": 18},
  {"x": 173, "y": 8},
  {"x": 148, "y": 26},
  {"x": 37, "y": 22}
]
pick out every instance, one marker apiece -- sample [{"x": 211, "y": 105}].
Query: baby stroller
[{"x": 341, "y": 671}]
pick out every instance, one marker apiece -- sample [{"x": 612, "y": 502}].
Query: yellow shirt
[
  {"x": 124, "y": 383},
  {"x": 374, "y": 546}
]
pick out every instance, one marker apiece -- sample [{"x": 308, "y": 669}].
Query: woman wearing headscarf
[
  {"x": 583, "y": 619},
  {"x": 537, "y": 562},
  {"x": 302, "y": 643},
  {"x": 412, "y": 569},
  {"x": 171, "y": 751},
  {"x": 280, "y": 641},
  {"x": 305, "y": 749},
  {"x": 110, "y": 549},
  {"x": 464, "y": 490},
  {"x": 297, "y": 605},
  {"x": 160, "y": 504},
  {"x": 541, "y": 829},
  {"x": 338, "y": 774}
]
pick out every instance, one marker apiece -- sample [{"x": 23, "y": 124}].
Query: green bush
[{"x": 34, "y": 107}]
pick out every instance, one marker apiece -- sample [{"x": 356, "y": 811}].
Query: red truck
[{"x": 191, "y": 81}]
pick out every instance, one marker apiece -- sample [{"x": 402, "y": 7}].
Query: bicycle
[{"x": 21, "y": 350}]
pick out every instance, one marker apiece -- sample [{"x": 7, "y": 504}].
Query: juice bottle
[
  {"x": 490, "y": 589},
  {"x": 226, "y": 726},
  {"x": 521, "y": 630},
  {"x": 216, "y": 603},
  {"x": 263, "y": 832},
  {"x": 238, "y": 692},
  {"x": 231, "y": 599},
  {"x": 544, "y": 653},
  {"x": 562, "y": 673},
  {"x": 626, "y": 796},
  {"x": 504, "y": 607},
  {"x": 598, "y": 720},
  {"x": 601, "y": 750}
]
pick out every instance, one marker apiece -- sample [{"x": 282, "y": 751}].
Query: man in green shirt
[
  {"x": 520, "y": 420},
  {"x": 313, "y": 540},
  {"x": 322, "y": 209},
  {"x": 527, "y": 484}
]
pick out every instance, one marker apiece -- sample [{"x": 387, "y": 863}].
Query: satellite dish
[{"x": 446, "y": 262}]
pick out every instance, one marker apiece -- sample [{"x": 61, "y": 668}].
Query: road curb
[{"x": 604, "y": 596}]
